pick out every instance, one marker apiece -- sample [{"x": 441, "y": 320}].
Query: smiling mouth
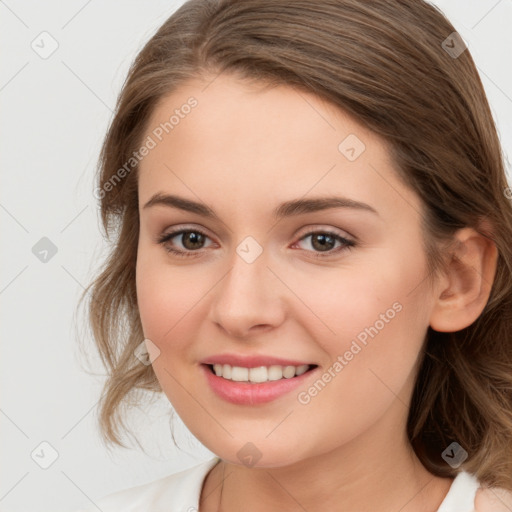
[{"x": 259, "y": 374}]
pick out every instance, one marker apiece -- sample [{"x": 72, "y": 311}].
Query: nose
[{"x": 248, "y": 300}]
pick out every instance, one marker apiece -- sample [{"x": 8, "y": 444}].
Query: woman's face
[{"x": 263, "y": 276}]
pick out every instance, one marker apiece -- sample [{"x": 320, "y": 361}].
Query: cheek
[
  {"x": 162, "y": 296},
  {"x": 375, "y": 315},
  {"x": 153, "y": 298},
  {"x": 379, "y": 328},
  {"x": 342, "y": 303},
  {"x": 171, "y": 301},
  {"x": 167, "y": 302}
]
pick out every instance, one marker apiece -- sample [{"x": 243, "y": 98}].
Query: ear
[{"x": 464, "y": 289}]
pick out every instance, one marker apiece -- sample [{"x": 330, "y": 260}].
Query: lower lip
[{"x": 246, "y": 393}]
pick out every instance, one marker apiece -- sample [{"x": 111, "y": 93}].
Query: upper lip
[{"x": 252, "y": 361}]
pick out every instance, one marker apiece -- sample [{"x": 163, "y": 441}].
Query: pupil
[
  {"x": 196, "y": 238},
  {"x": 322, "y": 241}
]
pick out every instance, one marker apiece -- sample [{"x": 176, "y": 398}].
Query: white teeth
[
  {"x": 289, "y": 372},
  {"x": 301, "y": 369},
  {"x": 275, "y": 372},
  {"x": 225, "y": 370},
  {"x": 239, "y": 374},
  {"x": 259, "y": 373}
]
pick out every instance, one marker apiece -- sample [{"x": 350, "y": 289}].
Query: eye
[
  {"x": 324, "y": 241},
  {"x": 191, "y": 239}
]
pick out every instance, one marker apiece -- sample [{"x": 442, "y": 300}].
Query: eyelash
[{"x": 347, "y": 244}]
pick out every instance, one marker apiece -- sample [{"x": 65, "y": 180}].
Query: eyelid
[
  {"x": 313, "y": 228},
  {"x": 347, "y": 243},
  {"x": 177, "y": 229},
  {"x": 305, "y": 231}
]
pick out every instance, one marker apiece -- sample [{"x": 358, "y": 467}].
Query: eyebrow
[{"x": 286, "y": 209}]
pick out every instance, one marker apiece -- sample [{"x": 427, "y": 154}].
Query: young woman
[{"x": 312, "y": 260}]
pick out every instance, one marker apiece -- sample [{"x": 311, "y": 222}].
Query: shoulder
[
  {"x": 493, "y": 500},
  {"x": 181, "y": 489}
]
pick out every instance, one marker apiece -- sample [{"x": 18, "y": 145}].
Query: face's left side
[{"x": 310, "y": 286}]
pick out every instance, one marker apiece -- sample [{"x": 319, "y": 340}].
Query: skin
[{"x": 242, "y": 151}]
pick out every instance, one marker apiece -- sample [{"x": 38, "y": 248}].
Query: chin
[{"x": 251, "y": 455}]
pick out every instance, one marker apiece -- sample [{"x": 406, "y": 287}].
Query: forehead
[
  {"x": 281, "y": 115},
  {"x": 253, "y": 144}
]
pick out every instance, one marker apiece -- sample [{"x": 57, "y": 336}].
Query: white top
[{"x": 180, "y": 492}]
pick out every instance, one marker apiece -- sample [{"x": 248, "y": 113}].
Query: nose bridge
[
  {"x": 245, "y": 282},
  {"x": 248, "y": 294}
]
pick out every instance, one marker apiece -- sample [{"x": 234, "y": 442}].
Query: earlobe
[{"x": 465, "y": 288}]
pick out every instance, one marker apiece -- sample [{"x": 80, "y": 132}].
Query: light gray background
[{"x": 54, "y": 114}]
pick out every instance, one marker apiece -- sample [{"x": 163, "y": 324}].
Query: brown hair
[{"x": 386, "y": 63}]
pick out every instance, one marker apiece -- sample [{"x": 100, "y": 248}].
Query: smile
[
  {"x": 259, "y": 373},
  {"x": 256, "y": 385}
]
